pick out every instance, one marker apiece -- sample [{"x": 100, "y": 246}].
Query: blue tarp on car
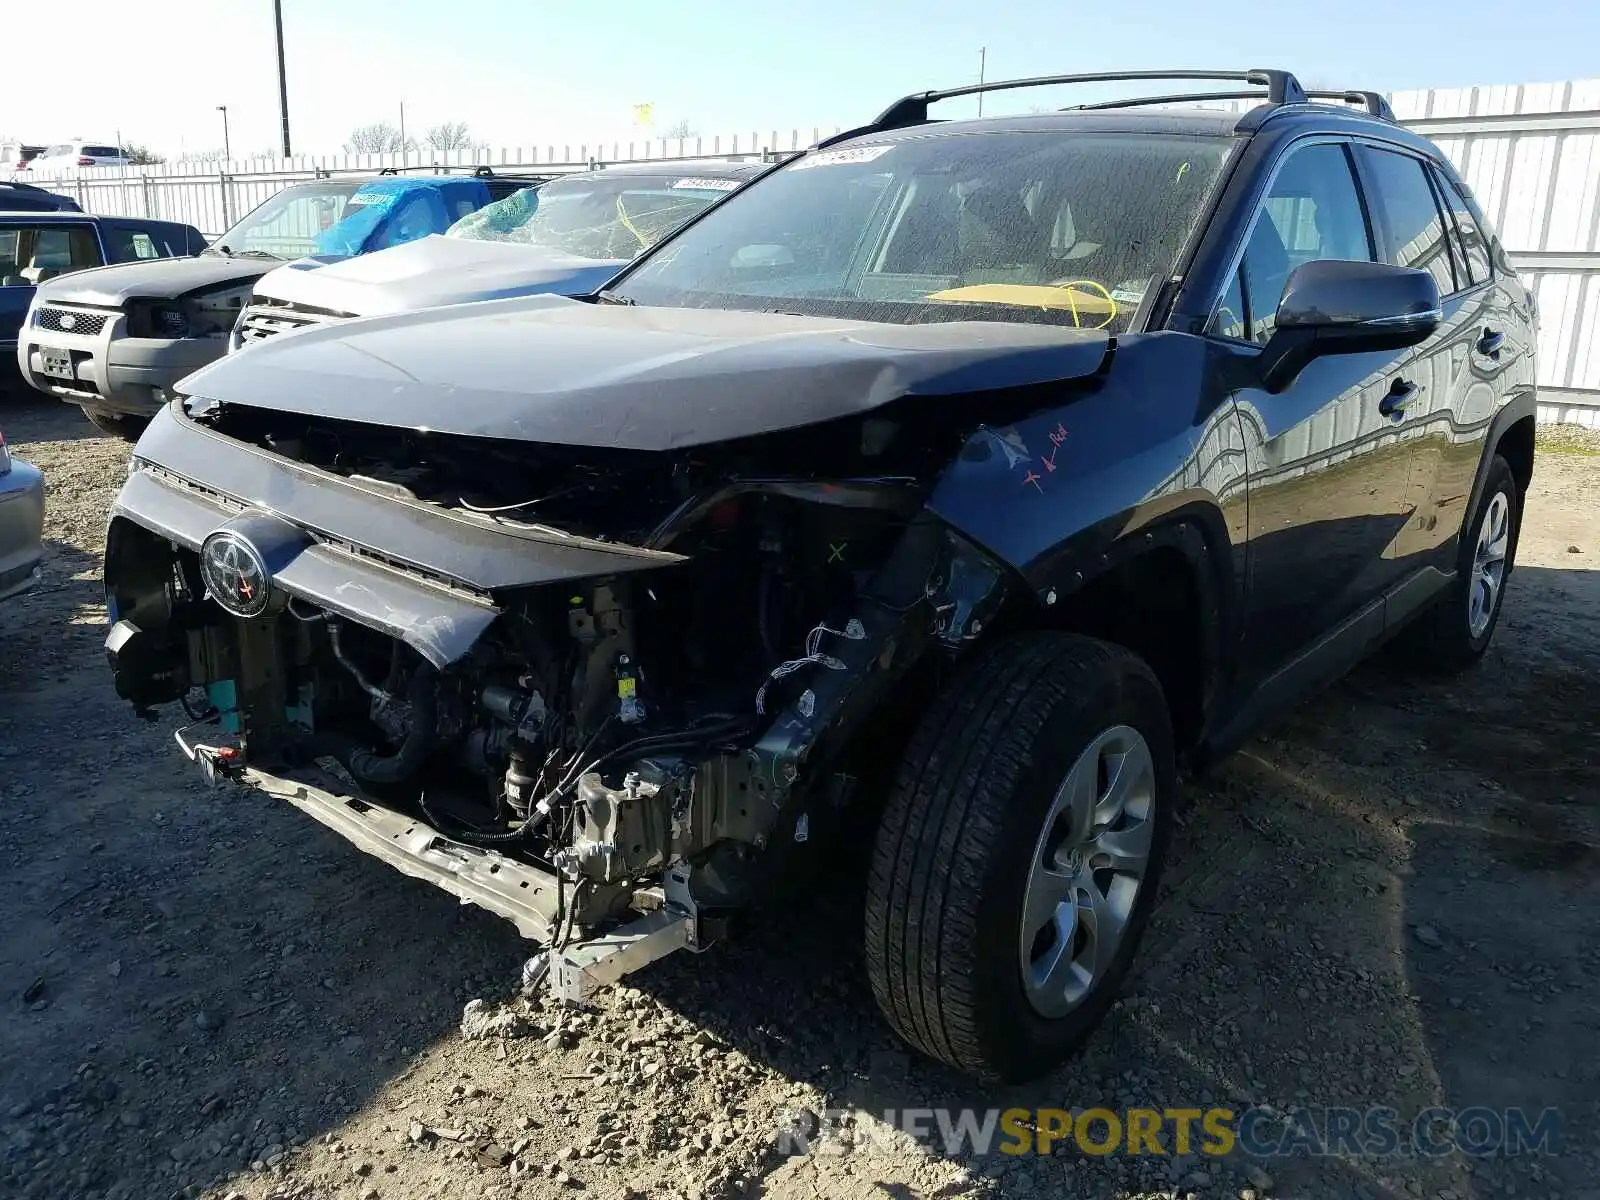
[{"x": 399, "y": 209}]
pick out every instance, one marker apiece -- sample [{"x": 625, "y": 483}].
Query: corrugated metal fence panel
[
  {"x": 1530, "y": 152},
  {"x": 1531, "y": 155}
]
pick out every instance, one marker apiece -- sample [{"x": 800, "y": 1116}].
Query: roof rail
[
  {"x": 1375, "y": 105},
  {"x": 1175, "y": 98},
  {"x": 1282, "y": 88},
  {"x": 1373, "y": 102}
]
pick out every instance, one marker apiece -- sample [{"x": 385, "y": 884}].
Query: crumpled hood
[
  {"x": 436, "y": 270},
  {"x": 549, "y": 369},
  {"x": 152, "y": 279}
]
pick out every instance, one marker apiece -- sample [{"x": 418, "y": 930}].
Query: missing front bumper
[{"x": 522, "y": 894}]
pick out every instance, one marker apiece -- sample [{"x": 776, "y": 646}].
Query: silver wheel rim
[
  {"x": 1086, "y": 871},
  {"x": 1489, "y": 564}
]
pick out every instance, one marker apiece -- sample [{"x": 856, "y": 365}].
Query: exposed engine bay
[{"x": 632, "y": 751}]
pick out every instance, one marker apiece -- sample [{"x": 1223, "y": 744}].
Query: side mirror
[{"x": 1336, "y": 307}]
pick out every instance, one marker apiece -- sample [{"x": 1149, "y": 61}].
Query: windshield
[
  {"x": 594, "y": 217},
  {"x": 1045, "y": 227},
  {"x": 287, "y": 226}
]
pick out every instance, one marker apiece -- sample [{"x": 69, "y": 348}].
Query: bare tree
[
  {"x": 142, "y": 155},
  {"x": 452, "y": 135},
  {"x": 380, "y": 137},
  {"x": 215, "y": 153},
  {"x": 681, "y": 128}
]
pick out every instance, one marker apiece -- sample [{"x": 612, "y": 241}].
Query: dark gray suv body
[{"x": 934, "y": 496}]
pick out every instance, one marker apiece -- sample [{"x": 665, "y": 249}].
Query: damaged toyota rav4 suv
[{"x": 939, "y": 493}]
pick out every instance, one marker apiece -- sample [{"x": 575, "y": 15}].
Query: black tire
[
  {"x": 1441, "y": 638},
  {"x": 944, "y": 911},
  {"x": 124, "y": 427}
]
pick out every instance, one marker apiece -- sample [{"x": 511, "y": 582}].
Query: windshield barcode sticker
[
  {"x": 372, "y": 199},
  {"x": 706, "y": 185},
  {"x": 831, "y": 158}
]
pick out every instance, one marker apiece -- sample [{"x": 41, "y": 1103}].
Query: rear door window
[
  {"x": 130, "y": 245},
  {"x": 1452, "y": 236},
  {"x": 1414, "y": 228},
  {"x": 1474, "y": 240}
]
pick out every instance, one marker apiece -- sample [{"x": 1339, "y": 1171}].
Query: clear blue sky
[{"x": 525, "y": 71}]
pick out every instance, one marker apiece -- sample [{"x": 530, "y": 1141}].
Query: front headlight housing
[
  {"x": 170, "y": 320},
  {"x": 158, "y": 319},
  {"x": 207, "y": 314}
]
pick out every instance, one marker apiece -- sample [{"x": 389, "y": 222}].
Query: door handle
[
  {"x": 1491, "y": 341},
  {"x": 1401, "y": 393}
]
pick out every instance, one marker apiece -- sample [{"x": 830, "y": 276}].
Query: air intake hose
[{"x": 422, "y": 694}]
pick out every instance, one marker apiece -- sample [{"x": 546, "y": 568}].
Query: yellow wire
[
  {"x": 1088, "y": 284},
  {"x": 622, "y": 215}
]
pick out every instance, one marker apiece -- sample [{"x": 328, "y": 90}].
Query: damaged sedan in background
[{"x": 883, "y": 507}]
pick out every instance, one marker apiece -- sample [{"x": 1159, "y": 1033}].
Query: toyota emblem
[{"x": 235, "y": 574}]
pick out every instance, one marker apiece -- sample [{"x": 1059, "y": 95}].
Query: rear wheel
[
  {"x": 1454, "y": 633},
  {"x": 1018, "y": 856},
  {"x": 124, "y": 427}
]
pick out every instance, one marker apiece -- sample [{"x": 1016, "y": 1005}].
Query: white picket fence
[{"x": 1530, "y": 153}]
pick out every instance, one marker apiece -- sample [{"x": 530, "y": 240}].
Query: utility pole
[
  {"x": 983, "y": 55},
  {"x": 283, "y": 78},
  {"x": 402, "y": 128},
  {"x": 227, "y": 146}
]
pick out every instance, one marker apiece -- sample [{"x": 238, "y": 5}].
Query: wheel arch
[
  {"x": 1167, "y": 588},
  {"x": 1515, "y": 445},
  {"x": 1512, "y": 436}
]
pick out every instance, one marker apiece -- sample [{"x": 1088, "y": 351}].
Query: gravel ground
[{"x": 1390, "y": 900}]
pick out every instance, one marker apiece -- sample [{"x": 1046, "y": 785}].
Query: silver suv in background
[
  {"x": 121, "y": 336},
  {"x": 568, "y": 237}
]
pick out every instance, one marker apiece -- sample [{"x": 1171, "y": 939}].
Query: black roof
[
  {"x": 1193, "y": 122},
  {"x": 1280, "y": 94},
  {"x": 1204, "y": 122}
]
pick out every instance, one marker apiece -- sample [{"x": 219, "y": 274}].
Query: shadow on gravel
[
  {"x": 186, "y": 1001},
  {"x": 1500, "y": 911},
  {"x": 39, "y": 643},
  {"x": 27, "y": 415}
]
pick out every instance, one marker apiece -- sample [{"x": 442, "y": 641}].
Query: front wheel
[{"x": 1018, "y": 856}]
